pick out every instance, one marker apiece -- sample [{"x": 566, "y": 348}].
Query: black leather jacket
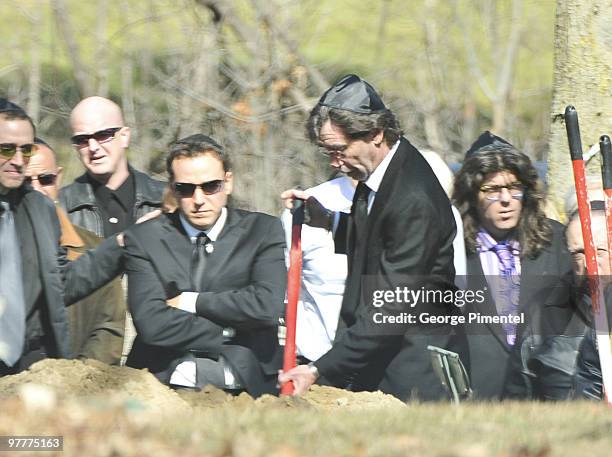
[
  {"x": 78, "y": 200},
  {"x": 588, "y": 381}
]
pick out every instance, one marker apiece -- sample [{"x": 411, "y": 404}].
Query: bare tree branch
[
  {"x": 34, "y": 73},
  {"x": 473, "y": 60},
  {"x": 62, "y": 20}
]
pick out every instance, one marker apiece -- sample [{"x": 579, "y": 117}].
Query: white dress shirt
[
  {"x": 185, "y": 372},
  {"x": 323, "y": 273}
]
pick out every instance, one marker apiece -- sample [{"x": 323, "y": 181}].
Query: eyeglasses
[
  {"x": 186, "y": 189},
  {"x": 8, "y": 150},
  {"x": 101, "y": 136},
  {"x": 493, "y": 192},
  {"x": 44, "y": 179},
  {"x": 333, "y": 151}
]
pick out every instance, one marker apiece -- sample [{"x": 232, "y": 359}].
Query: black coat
[
  {"x": 409, "y": 242},
  {"x": 62, "y": 282},
  {"x": 548, "y": 338},
  {"x": 245, "y": 288}
]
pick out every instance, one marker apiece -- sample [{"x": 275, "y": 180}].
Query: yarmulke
[
  {"x": 352, "y": 93},
  {"x": 485, "y": 139}
]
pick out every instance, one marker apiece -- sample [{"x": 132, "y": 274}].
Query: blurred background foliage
[{"x": 248, "y": 71}]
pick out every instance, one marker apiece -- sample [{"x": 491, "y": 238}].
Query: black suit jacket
[
  {"x": 245, "y": 287},
  {"x": 409, "y": 243},
  {"x": 552, "y": 325},
  {"x": 62, "y": 282}
]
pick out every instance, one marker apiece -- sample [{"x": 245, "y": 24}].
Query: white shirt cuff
[
  {"x": 184, "y": 374},
  {"x": 187, "y": 302}
]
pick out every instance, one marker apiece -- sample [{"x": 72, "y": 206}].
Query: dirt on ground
[
  {"x": 106, "y": 411},
  {"x": 140, "y": 389}
]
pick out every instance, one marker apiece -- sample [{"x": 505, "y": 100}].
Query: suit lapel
[
  {"x": 30, "y": 261},
  {"x": 532, "y": 279},
  {"x": 384, "y": 194},
  {"x": 225, "y": 246},
  {"x": 529, "y": 273},
  {"x": 175, "y": 244}
]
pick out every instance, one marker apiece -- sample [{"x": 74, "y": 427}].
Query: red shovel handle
[
  {"x": 584, "y": 208},
  {"x": 294, "y": 280}
]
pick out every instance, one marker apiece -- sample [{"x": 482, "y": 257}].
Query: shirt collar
[
  {"x": 486, "y": 242},
  {"x": 373, "y": 182},
  {"x": 212, "y": 233},
  {"x": 124, "y": 193}
]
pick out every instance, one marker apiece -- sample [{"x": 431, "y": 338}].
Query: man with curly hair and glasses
[{"x": 524, "y": 334}]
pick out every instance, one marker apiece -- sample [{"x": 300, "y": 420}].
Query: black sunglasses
[
  {"x": 186, "y": 189},
  {"x": 45, "y": 179},
  {"x": 8, "y": 150},
  {"x": 101, "y": 136}
]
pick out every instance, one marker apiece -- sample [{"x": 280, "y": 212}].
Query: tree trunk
[{"x": 583, "y": 78}]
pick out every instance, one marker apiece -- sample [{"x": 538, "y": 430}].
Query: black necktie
[
  {"x": 198, "y": 261},
  {"x": 360, "y": 212},
  {"x": 358, "y": 248}
]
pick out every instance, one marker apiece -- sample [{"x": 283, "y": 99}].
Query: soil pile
[
  {"x": 140, "y": 389},
  {"x": 103, "y": 411},
  {"x": 136, "y": 389}
]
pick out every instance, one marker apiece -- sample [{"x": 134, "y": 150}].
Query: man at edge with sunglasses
[
  {"x": 97, "y": 322},
  {"x": 36, "y": 279},
  {"x": 225, "y": 270},
  {"x": 111, "y": 195}
]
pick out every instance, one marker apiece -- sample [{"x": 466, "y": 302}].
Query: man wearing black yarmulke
[{"x": 398, "y": 238}]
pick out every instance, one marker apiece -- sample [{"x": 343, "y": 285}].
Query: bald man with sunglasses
[
  {"x": 224, "y": 268},
  {"x": 111, "y": 195}
]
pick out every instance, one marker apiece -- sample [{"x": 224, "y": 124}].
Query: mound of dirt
[
  {"x": 318, "y": 398},
  {"x": 323, "y": 397},
  {"x": 138, "y": 389}
]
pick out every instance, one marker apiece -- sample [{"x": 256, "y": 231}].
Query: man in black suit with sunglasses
[
  {"x": 224, "y": 271},
  {"x": 111, "y": 195}
]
